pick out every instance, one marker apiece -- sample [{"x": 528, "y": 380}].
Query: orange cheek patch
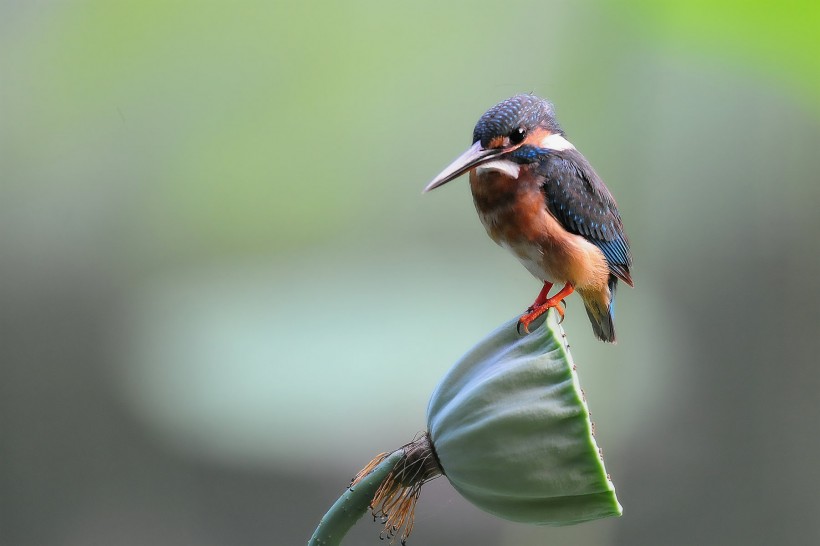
[
  {"x": 497, "y": 142},
  {"x": 535, "y": 137}
]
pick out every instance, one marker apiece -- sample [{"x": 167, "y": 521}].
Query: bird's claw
[
  {"x": 560, "y": 311},
  {"x": 533, "y": 312}
]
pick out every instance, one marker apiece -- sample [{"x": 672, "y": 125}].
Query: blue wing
[{"x": 579, "y": 200}]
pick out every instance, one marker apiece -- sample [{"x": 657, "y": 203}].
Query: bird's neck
[{"x": 494, "y": 189}]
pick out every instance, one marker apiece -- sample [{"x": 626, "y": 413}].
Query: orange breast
[{"x": 515, "y": 215}]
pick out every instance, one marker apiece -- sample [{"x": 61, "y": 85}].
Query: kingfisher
[{"x": 539, "y": 197}]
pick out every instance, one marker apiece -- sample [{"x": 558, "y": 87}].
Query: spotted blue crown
[{"x": 527, "y": 111}]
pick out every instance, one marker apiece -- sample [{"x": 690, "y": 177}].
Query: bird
[{"x": 538, "y": 197}]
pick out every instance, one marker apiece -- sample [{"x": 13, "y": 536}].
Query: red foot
[
  {"x": 542, "y": 296},
  {"x": 542, "y": 305}
]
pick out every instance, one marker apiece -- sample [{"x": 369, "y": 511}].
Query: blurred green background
[{"x": 222, "y": 292}]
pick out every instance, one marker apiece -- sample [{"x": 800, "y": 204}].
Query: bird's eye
[{"x": 517, "y": 136}]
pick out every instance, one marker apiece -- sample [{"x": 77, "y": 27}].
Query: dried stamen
[{"x": 395, "y": 501}]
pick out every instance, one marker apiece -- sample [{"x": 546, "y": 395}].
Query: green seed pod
[
  {"x": 511, "y": 430},
  {"x": 509, "y": 427}
]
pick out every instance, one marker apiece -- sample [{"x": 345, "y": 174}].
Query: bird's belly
[
  {"x": 555, "y": 256},
  {"x": 537, "y": 256},
  {"x": 534, "y": 260}
]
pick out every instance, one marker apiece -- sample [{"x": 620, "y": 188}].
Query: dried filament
[{"x": 395, "y": 501}]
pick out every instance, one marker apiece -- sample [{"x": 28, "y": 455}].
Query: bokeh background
[{"x": 222, "y": 292}]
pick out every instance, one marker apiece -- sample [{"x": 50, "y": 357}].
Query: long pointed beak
[{"x": 473, "y": 157}]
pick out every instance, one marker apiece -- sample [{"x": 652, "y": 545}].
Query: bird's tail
[{"x": 600, "y": 306}]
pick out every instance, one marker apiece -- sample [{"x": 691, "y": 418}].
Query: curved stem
[{"x": 352, "y": 505}]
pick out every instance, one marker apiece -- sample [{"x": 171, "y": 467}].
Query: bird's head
[{"x": 507, "y": 135}]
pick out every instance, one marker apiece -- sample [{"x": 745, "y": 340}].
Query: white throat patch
[
  {"x": 504, "y": 166},
  {"x": 556, "y": 142}
]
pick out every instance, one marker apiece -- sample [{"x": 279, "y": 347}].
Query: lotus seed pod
[
  {"x": 511, "y": 430},
  {"x": 509, "y": 427}
]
